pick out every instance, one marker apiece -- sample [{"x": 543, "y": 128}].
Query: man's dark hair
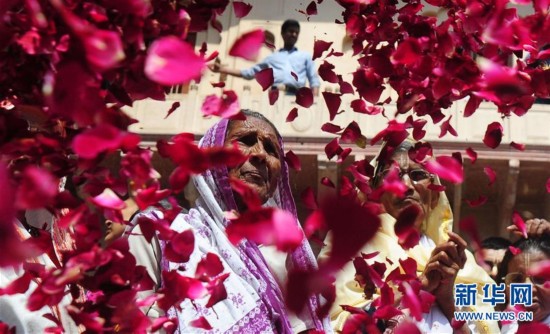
[
  {"x": 289, "y": 24},
  {"x": 495, "y": 243}
]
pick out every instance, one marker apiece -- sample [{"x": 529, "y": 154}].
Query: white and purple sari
[{"x": 254, "y": 302}]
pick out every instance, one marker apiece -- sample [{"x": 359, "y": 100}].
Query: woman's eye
[
  {"x": 248, "y": 140},
  {"x": 270, "y": 148}
]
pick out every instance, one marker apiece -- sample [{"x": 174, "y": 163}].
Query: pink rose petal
[
  {"x": 37, "y": 189},
  {"x": 319, "y": 47},
  {"x": 209, "y": 266},
  {"x": 226, "y": 106},
  {"x": 519, "y": 147},
  {"x": 293, "y": 161},
  {"x": 202, "y": 322},
  {"x": 241, "y": 9},
  {"x": 469, "y": 226},
  {"x": 108, "y": 200},
  {"x": 265, "y": 78},
  {"x": 292, "y": 115},
  {"x": 331, "y": 128},
  {"x": 173, "y": 108},
  {"x": 447, "y": 168},
  {"x": 248, "y": 45},
  {"x": 477, "y": 202},
  {"x": 304, "y": 97},
  {"x": 405, "y": 227},
  {"x": 248, "y": 195},
  {"x": 407, "y": 52},
  {"x": 493, "y": 135},
  {"x": 326, "y": 72},
  {"x": 171, "y": 61},
  {"x": 267, "y": 226},
  {"x": 311, "y": 8},
  {"x": 471, "y": 154},
  {"x": 490, "y": 174},
  {"x": 327, "y": 182},
  {"x": 104, "y": 48},
  {"x": 519, "y": 223},
  {"x": 274, "y": 96},
  {"x": 308, "y": 198},
  {"x": 446, "y": 127},
  {"x": 333, "y": 102},
  {"x": 104, "y": 137},
  {"x": 514, "y": 250},
  {"x": 180, "y": 247}
]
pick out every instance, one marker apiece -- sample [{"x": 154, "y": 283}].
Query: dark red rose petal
[
  {"x": 265, "y": 78},
  {"x": 292, "y": 115},
  {"x": 304, "y": 97},
  {"x": 319, "y": 47},
  {"x": 293, "y": 161},
  {"x": 493, "y": 135},
  {"x": 241, "y": 10}
]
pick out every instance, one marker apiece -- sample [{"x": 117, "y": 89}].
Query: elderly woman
[
  {"x": 257, "y": 273},
  {"x": 515, "y": 268},
  {"x": 441, "y": 257}
]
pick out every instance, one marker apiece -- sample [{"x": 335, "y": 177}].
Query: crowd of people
[{"x": 256, "y": 274}]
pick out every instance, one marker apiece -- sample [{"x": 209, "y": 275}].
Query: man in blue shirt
[{"x": 290, "y": 66}]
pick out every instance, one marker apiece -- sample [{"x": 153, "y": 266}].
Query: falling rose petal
[
  {"x": 326, "y": 72},
  {"x": 519, "y": 223},
  {"x": 108, "y": 200},
  {"x": 267, "y": 226},
  {"x": 519, "y": 147},
  {"x": 248, "y": 45},
  {"x": 304, "y": 97},
  {"x": 293, "y": 161},
  {"x": 456, "y": 324},
  {"x": 209, "y": 266},
  {"x": 436, "y": 187},
  {"x": 294, "y": 75},
  {"x": 447, "y": 168},
  {"x": 265, "y": 78},
  {"x": 352, "y": 225},
  {"x": 201, "y": 322},
  {"x": 241, "y": 10},
  {"x": 548, "y": 186},
  {"x": 407, "y": 53},
  {"x": 180, "y": 247},
  {"x": 171, "y": 61},
  {"x": 412, "y": 302},
  {"x": 541, "y": 269},
  {"x": 404, "y": 227},
  {"x": 333, "y": 102},
  {"x": 471, "y": 154},
  {"x": 352, "y": 134},
  {"x": 37, "y": 189},
  {"x": 311, "y": 9},
  {"x": 333, "y": 148},
  {"x": 472, "y": 105},
  {"x": 514, "y": 250},
  {"x": 327, "y": 182},
  {"x": 226, "y": 106},
  {"x": 477, "y": 202},
  {"x": 218, "y": 84},
  {"x": 331, "y": 128},
  {"x": 308, "y": 198},
  {"x": 493, "y": 135},
  {"x": 273, "y": 95},
  {"x": 173, "y": 108},
  {"x": 490, "y": 174},
  {"x": 469, "y": 226},
  {"x": 248, "y": 195},
  {"x": 178, "y": 288},
  {"x": 104, "y": 137},
  {"x": 104, "y": 49},
  {"x": 446, "y": 127},
  {"x": 362, "y": 107},
  {"x": 319, "y": 47},
  {"x": 292, "y": 115}
]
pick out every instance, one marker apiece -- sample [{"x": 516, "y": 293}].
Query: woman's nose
[
  {"x": 407, "y": 181},
  {"x": 258, "y": 151}
]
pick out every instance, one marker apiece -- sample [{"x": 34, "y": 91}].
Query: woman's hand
[
  {"x": 535, "y": 228},
  {"x": 440, "y": 273}
]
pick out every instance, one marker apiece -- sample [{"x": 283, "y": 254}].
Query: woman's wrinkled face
[
  {"x": 416, "y": 179},
  {"x": 258, "y": 140},
  {"x": 517, "y": 271}
]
